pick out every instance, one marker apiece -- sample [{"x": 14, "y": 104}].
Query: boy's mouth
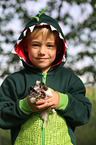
[{"x": 42, "y": 59}]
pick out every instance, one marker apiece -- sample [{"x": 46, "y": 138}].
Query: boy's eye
[
  {"x": 35, "y": 45},
  {"x": 50, "y": 45}
]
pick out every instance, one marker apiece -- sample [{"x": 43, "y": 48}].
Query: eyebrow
[
  {"x": 37, "y": 41},
  {"x": 50, "y": 43}
]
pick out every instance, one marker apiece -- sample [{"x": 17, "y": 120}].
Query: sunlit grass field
[{"x": 85, "y": 135}]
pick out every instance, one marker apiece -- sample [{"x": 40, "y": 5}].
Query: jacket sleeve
[
  {"x": 10, "y": 112},
  {"x": 78, "y": 109}
]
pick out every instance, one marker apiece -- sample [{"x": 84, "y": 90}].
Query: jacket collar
[{"x": 33, "y": 69}]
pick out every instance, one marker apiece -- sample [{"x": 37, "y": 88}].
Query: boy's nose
[{"x": 42, "y": 50}]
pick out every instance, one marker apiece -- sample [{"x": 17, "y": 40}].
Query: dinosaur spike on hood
[{"x": 40, "y": 20}]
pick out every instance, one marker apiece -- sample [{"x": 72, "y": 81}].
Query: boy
[{"x": 43, "y": 51}]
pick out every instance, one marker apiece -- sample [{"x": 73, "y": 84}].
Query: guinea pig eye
[
  {"x": 45, "y": 87},
  {"x": 43, "y": 95}
]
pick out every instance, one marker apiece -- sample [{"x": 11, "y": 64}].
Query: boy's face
[{"x": 42, "y": 52}]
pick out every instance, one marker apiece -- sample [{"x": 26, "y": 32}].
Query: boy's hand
[
  {"x": 38, "y": 105},
  {"x": 49, "y": 102},
  {"x": 53, "y": 101}
]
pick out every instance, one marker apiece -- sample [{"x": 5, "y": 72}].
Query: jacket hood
[{"x": 39, "y": 20}]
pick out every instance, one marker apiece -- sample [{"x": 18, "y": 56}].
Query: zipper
[
  {"x": 44, "y": 77},
  {"x": 43, "y": 130}
]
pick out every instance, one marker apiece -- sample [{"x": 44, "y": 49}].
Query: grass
[
  {"x": 5, "y": 137},
  {"x": 85, "y": 135}
]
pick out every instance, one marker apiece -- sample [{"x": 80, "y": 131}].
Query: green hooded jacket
[{"x": 74, "y": 108}]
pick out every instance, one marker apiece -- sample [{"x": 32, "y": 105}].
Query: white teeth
[
  {"x": 43, "y": 24},
  {"x": 64, "y": 59},
  {"x": 31, "y": 28},
  {"x": 25, "y": 32},
  {"x": 19, "y": 41},
  {"x": 60, "y": 36},
  {"x": 13, "y": 51},
  {"x": 52, "y": 28},
  {"x": 66, "y": 46}
]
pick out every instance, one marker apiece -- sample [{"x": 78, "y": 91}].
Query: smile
[{"x": 42, "y": 59}]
